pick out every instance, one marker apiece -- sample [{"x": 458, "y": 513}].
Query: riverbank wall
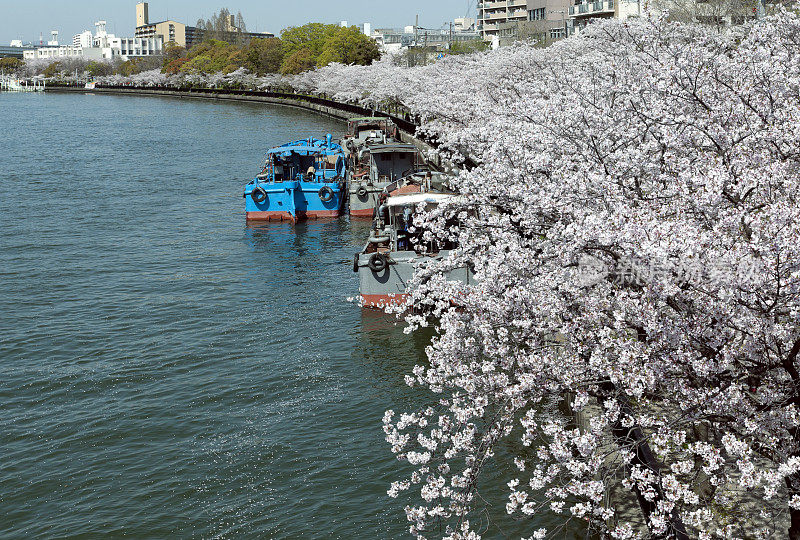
[{"x": 321, "y": 105}]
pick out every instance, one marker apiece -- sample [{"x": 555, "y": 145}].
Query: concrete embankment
[{"x": 317, "y": 104}]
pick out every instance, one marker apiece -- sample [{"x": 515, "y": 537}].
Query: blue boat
[{"x": 300, "y": 180}]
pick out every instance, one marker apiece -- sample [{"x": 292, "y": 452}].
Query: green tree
[
  {"x": 349, "y": 46},
  {"x": 302, "y": 60},
  {"x": 138, "y": 65},
  {"x": 366, "y": 51},
  {"x": 467, "y": 47},
  {"x": 99, "y": 69},
  {"x": 52, "y": 70},
  {"x": 213, "y": 56},
  {"x": 10, "y": 64},
  {"x": 172, "y": 51},
  {"x": 311, "y": 36},
  {"x": 264, "y": 55}
]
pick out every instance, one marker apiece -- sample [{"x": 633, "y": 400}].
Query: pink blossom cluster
[{"x": 650, "y": 141}]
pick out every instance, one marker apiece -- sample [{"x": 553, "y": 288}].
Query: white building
[
  {"x": 395, "y": 40},
  {"x": 64, "y": 51},
  {"x": 464, "y": 24},
  {"x": 100, "y": 46},
  {"x": 84, "y": 39},
  {"x": 136, "y": 47}
]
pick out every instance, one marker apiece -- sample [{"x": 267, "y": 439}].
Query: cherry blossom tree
[{"x": 634, "y": 228}]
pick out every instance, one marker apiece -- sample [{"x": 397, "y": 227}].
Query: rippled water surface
[{"x": 167, "y": 370}]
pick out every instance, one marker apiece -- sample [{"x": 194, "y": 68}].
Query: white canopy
[{"x": 416, "y": 198}]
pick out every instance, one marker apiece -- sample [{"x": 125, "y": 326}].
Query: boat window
[{"x": 306, "y": 162}]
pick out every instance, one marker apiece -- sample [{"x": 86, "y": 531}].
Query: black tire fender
[
  {"x": 362, "y": 191},
  {"x": 325, "y": 194},
  {"x": 258, "y": 195},
  {"x": 378, "y": 262}
]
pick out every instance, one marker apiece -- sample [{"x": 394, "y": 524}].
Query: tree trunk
[
  {"x": 632, "y": 437},
  {"x": 794, "y": 529}
]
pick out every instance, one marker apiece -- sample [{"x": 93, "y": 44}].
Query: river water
[{"x": 166, "y": 369}]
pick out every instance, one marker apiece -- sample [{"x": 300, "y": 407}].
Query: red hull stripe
[
  {"x": 382, "y": 300},
  {"x": 362, "y": 213},
  {"x": 316, "y": 214},
  {"x": 286, "y": 216},
  {"x": 270, "y": 216}
]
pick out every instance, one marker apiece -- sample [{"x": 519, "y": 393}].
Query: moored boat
[
  {"x": 376, "y": 167},
  {"x": 300, "y": 180},
  {"x": 367, "y": 129},
  {"x": 387, "y": 263}
]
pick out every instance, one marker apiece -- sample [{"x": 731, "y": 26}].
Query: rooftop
[{"x": 392, "y": 147}]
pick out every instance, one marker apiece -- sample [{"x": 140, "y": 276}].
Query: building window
[
  {"x": 557, "y": 33},
  {"x": 537, "y": 14}
]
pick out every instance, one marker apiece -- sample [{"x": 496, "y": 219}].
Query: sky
[{"x": 26, "y": 19}]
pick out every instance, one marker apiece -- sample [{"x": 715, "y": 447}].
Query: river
[{"x": 168, "y": 370}]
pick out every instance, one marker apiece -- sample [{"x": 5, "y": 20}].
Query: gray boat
[
  {"x": 366, "y": 129},
  {"x": 376, "y": 167},
  {"x": 386, "y": 264}
]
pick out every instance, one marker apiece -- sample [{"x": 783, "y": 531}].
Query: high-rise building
[
  {"x": 142, "y": 14},
  {"x": 84, "y": 39}
]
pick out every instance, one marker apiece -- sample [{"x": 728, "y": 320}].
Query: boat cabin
[
  {"x": 310, "y": 160},
  {"x": 401, "y": 210},
  {"x": 391, "y": 162},
  {"x": 361, "y": 129}
]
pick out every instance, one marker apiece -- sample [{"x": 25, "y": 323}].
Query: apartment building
[
  {"x": 84, "y": 39},
  {"x": 167, "y": 31},
  {"x": 585, "y": 10},
  {"x": 494, "y": 14}
]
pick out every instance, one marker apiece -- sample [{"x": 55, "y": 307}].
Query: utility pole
[{"x": 450, "y": 42}]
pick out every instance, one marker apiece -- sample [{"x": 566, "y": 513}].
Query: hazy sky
[{"x": 25, "y": 19}]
